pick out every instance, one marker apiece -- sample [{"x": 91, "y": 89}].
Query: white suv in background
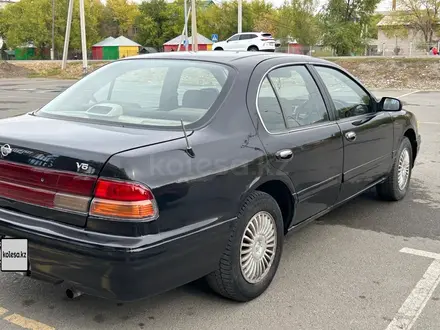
[{"x": 247, "y": 41}]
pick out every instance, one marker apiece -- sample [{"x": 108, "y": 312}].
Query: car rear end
[
  {"x": 266, "y": 42},
  {"x": 88, "y": 222}
]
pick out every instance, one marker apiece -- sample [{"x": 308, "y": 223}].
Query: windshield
[{"x": 147, "y": 92}]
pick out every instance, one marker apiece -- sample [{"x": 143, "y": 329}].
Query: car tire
[
  {"x": 261, "y": 213},
  {"x": 396, "y": 185},
  {"x": 218, "y": 48},
  {"x": 253, "y": 49}
]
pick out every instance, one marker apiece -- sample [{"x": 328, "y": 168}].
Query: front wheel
[
  {"x": 396, "y": 185},
  {"x": 253, "y": 253}
]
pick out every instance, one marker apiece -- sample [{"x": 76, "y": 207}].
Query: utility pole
[
  {"x": 186, "y": 25},
  {"x": 83, "y": 35},
  {"x": 82, "y": 20},
  {"x": 195, "y": 45},
  {"x": 67, "y": 37},
  {"x": 185, "y": 28},
  {"x": 240, "y": 10},
  {"x": 52, "y": 52},
  {"x": 394, "y": 4}
]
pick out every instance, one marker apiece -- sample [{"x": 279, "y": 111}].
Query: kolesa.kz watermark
[{"x": 14, "y": 255}]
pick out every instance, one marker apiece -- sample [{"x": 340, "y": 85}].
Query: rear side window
[
  {"x": 297, "y": 95},
  {"x": 148, "y": 92},
  {"x": 270, "y": 109}
]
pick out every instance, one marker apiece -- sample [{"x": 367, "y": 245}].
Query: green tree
[
  {"x": 31, "y": 21},
  {"x": 123, "y": 13},
  {"x": 158, "y": 22},
  {"x": 343, "y": 23},
  {"x": 298, "y": 21},
  {"x": 422, "y": 16}
]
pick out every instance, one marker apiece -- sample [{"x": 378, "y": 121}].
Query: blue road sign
[{"x": 214, "y": 37}]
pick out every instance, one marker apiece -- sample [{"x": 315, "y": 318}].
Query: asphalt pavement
[{"x": 367, "y": 265}]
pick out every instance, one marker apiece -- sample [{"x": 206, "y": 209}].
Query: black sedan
[{"x": 157, "y": 170}]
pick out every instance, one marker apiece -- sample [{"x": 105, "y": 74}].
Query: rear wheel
[
  {"x": 396, "y": 185},
  {"x": 218, "y": 48},
  {"x": 253, "y": 49},
  {"x": 253, "y": 253}
]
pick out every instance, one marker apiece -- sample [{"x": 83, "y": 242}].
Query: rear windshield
[
  {"x": 266, "y": 35},
  {"x": 146, "y": 92}
]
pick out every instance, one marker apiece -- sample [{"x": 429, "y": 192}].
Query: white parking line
[
  {"x": 417, "y": 300},
  {"x": 429, "y": 122},
  {"x": 407, "y": 94}
]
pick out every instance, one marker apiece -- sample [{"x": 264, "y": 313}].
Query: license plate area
[{"x": 14, "y": 255}]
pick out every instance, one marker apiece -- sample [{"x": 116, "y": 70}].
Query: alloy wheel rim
[
  {"x": 403, "y": 169},
  {"x": 258, "y": 247}
]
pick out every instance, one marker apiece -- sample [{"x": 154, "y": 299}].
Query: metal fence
[{"x": 403, "y": 49}]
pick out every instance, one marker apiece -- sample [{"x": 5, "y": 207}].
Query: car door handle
[
  {"x": 284, "y": 154},
  {"x": 350, "y": 136}
]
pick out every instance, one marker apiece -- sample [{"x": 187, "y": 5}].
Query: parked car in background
[
  {"x": 248, "y": 41},
  {"x": 161, "y": 169}
]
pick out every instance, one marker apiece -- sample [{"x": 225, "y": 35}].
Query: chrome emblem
[{"x": 5, "y": 150}]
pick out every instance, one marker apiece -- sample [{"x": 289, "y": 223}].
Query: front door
[
  {"x": 232, "y": 43},
  {"x": 300, "y": 136},
  {"x": 367, "y": 134}
]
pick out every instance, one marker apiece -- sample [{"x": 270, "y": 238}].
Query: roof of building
[
  {"x": 395, "y": 18},
  {"x": 178, "y": 40},
  {"x": 104, "y": 42},
  {"x": 123, "y": 41},
  {"x": 118, "y": 42}
]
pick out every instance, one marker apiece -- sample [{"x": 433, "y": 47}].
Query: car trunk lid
[{"x": 48, "y": 167}]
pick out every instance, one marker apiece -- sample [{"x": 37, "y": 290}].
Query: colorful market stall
[
  {"x": 113, "y": 49},
  {"x": 97, "y": 49},
  {"x": 173, "y": 44}
]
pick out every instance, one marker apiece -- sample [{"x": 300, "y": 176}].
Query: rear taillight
[
  {"x": 119, "y": 200},
  {"x": 76, "y": 193}
]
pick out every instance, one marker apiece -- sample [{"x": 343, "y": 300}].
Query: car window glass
[
  {"x": 234, "y": 38},
  {"x": 144, "y": 92},
  {"x": 244, "y": 36},
  {"x": 205, "y": 83},
  {"x": 269, "y": 109},
  {"x": 348, "y": 97},
  {"x": 133, "y": 87},
  {"x": 299, "y": 96}
]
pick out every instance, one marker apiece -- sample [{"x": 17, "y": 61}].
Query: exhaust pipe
[{"x": 73, "y": 293}]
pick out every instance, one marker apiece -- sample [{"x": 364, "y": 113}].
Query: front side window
[
  {"x": 289, "y": 98},
  {"x": 299, "y": 96},
  {"x": 348, "y": 97},
  {"x": 148, "y": 92}
]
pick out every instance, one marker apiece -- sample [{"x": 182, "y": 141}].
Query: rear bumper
[{"x": 118, "y": 268}]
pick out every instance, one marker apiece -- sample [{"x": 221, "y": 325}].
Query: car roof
[{"x": 230, "y": 57}]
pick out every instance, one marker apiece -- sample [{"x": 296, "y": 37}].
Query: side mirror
[{"x": 390, "y": 104}]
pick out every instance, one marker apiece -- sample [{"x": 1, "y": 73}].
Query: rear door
[
  {"x": 368, "y": 134},
  {"x": 300, "y": 136},
  {"x": 246, "y": 41}
]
